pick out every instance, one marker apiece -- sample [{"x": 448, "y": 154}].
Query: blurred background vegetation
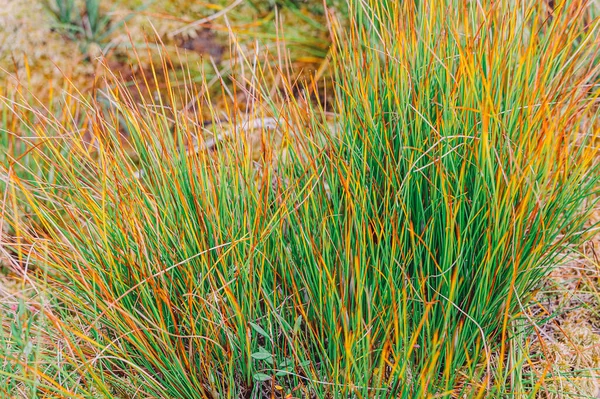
[{"x": 45, "y": 42}]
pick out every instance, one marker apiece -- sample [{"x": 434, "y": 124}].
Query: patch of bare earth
[{"x": 565, "y": 350}]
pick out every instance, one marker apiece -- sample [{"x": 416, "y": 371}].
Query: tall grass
[
  {"x": 390, "y": 254},
  {"x": 466, "y": 143}
]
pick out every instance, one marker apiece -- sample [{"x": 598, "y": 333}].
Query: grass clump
[
  {"x": 86, "y": 22},
  {"x": 390, "y": 254},
  {"x": 468, "y": 136}
]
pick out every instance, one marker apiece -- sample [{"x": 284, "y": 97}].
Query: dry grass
[
  {"x": 38, "y": 54},
  {"x": 566, "y": 348}
]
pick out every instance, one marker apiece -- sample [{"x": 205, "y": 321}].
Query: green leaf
[
  {"x": 297, "y": 324},
  {"x": 286, "y": 364},
  {"x": 259, "y": 330},
  {"x": 261, "y": 356},
  {"x": 261, "y": 377}
]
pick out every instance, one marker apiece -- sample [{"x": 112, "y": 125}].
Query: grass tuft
[{"x": 391, "y": 252}]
